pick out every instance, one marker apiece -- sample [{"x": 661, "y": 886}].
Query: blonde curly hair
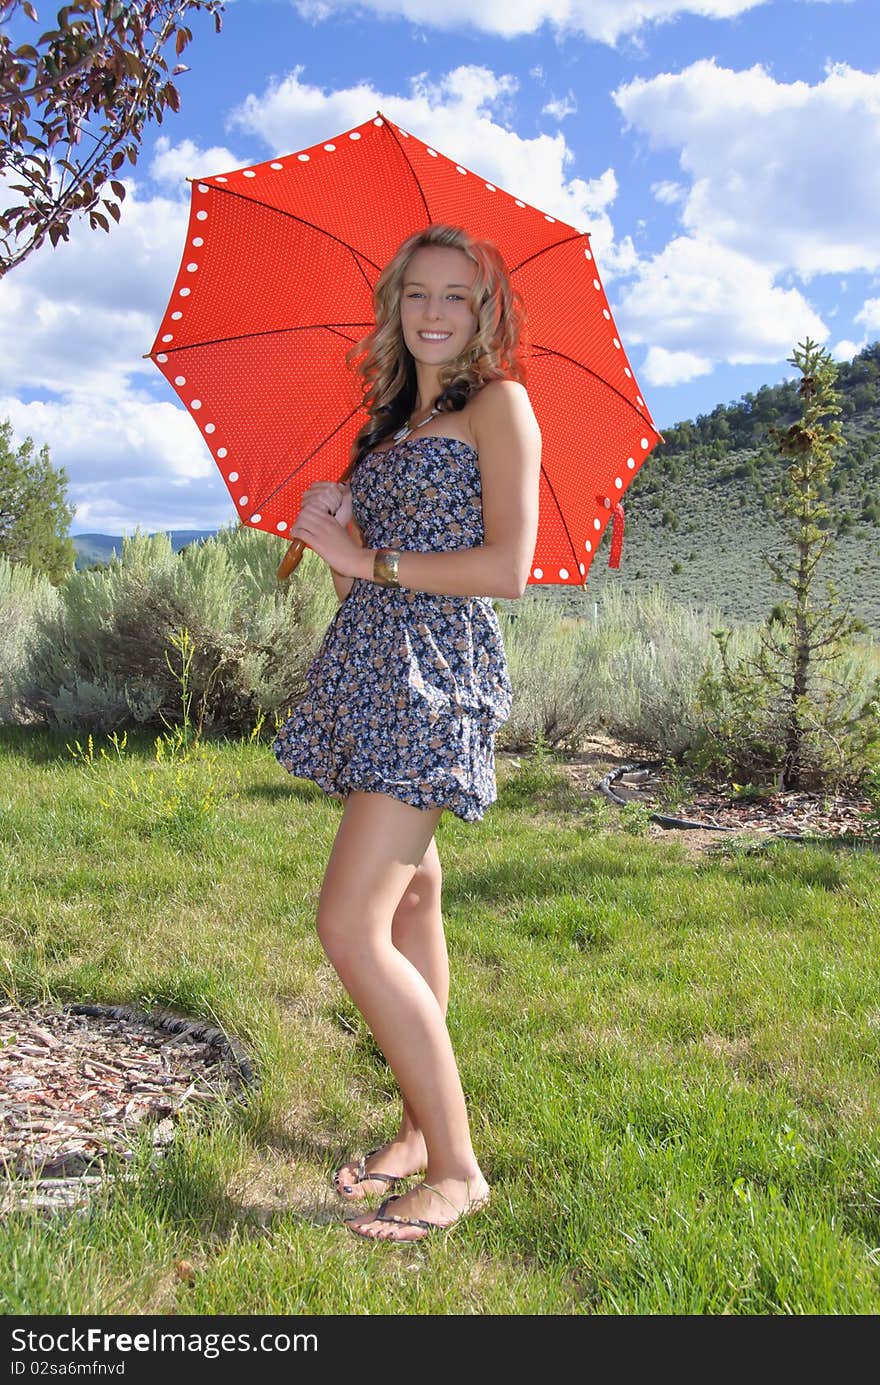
[{"x": 385, "y": 364}]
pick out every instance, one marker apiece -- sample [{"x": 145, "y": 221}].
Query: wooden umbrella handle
[
  {"x": 296, "y": 548},
  {"x": 289, "y": 562}
]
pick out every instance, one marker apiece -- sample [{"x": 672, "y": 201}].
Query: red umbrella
[{"x": 275, "y": 285}]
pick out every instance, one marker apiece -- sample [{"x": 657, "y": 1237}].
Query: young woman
[{"x": 411, "y": 681}]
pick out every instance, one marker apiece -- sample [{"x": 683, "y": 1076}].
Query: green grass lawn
[{"x": 673, "y": 1066}]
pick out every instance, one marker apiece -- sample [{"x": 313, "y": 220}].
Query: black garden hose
[{"x": 666, "y": 820}]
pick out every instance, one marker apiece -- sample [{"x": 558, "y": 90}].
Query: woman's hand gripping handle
[{"x": 326, "y": 498}]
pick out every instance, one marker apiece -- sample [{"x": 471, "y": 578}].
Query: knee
[
  {"x": 348, "y": 938},
  {"x": 335, "y": 939}
]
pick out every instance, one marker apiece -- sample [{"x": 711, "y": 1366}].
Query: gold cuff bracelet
[{"x": 385, "y": 563}]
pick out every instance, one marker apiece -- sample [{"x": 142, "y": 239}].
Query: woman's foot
[
  {"x": 442, "y": 1204},
  {"x": 400, "y": 1158}
]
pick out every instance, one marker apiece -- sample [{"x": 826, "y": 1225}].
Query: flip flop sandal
[
  {"x": 476, "y": 1205},
  {"x": 363, "y": 1176}
]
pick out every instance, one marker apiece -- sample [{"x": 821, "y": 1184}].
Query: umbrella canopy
[{"x": 275, "y": 284}]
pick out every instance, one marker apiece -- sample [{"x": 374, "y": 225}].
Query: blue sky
[{"x": 723, "y": 154}]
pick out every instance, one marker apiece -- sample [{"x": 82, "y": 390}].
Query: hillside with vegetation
[{"x": 700, "y": 513}]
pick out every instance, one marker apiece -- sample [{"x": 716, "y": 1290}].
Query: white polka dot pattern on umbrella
[{"x": 299, "y": 165}]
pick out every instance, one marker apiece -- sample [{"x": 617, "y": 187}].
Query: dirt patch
[{"x": 841, "y": 818}]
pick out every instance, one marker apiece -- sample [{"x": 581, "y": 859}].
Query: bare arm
[
  {"x": 343, "y": 585},
  {"x": 509, "y": 444}
]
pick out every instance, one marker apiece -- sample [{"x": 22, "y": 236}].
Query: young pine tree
[{"x": 802, "y": 633}]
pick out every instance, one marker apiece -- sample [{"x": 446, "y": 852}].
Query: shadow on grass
[
  {"x": 303, "y": 790},
  {"x": 44, "y": 746},
  {"x": 38, "y": 745}
]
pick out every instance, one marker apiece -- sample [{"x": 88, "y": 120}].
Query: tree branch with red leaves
[{"x": 93, "y": 82}]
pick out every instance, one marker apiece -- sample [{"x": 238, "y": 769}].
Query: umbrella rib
[
  {"x": 356, "y": 257},
  {"x": 419, "y": 187},
  {"x": 269, "y": 332},
  {"x": 551, "y": 351},
  {"x": 566, "y": 240},
  {"x": 578, "y": 235},
  {"x": 305, "y": 460},
  {"x": 561, "y": 515},
  {"x": 291, "y": 216}
]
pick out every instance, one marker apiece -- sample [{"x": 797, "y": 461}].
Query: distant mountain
[
  {"x": 99, "y": 548},
  {"x": 700, "y": 515}
]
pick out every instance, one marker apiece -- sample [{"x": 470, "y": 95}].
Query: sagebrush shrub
[
  {"x": 26, "y": 599},
  {"x": 97, "y": 661}
]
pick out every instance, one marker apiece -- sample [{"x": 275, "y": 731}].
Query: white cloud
[
  {"x": 697, "y": 301},
  {"x": 603, "y": 20},
  {"x": 174, "y": 163},
  {"x": 662, "y": 367},
  {"x": 463, "y": 115},
  {"x": 129, "y": 460},
  {"x": 75, "y": 322},
  {"x": 869, "y": 314},
  {"x": 669, "y": 192},
  {"x": 845, "y": 350},
  {"x": 81, "y": 315},
  {"x": 566, "y": 105},
  {"x": 783, "y": 172}
]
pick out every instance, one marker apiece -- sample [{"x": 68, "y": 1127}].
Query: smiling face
[{"x": 435, "y": 311}]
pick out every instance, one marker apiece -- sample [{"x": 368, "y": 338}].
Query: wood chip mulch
[{"x": 77, "y": 1084}]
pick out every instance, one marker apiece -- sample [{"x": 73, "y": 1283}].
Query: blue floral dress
[{"x": 407, "y": 689}]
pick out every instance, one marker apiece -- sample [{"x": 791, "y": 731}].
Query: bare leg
[
  {"x": 417, "y": 932},
  {"x": 379, "y": 844}
]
